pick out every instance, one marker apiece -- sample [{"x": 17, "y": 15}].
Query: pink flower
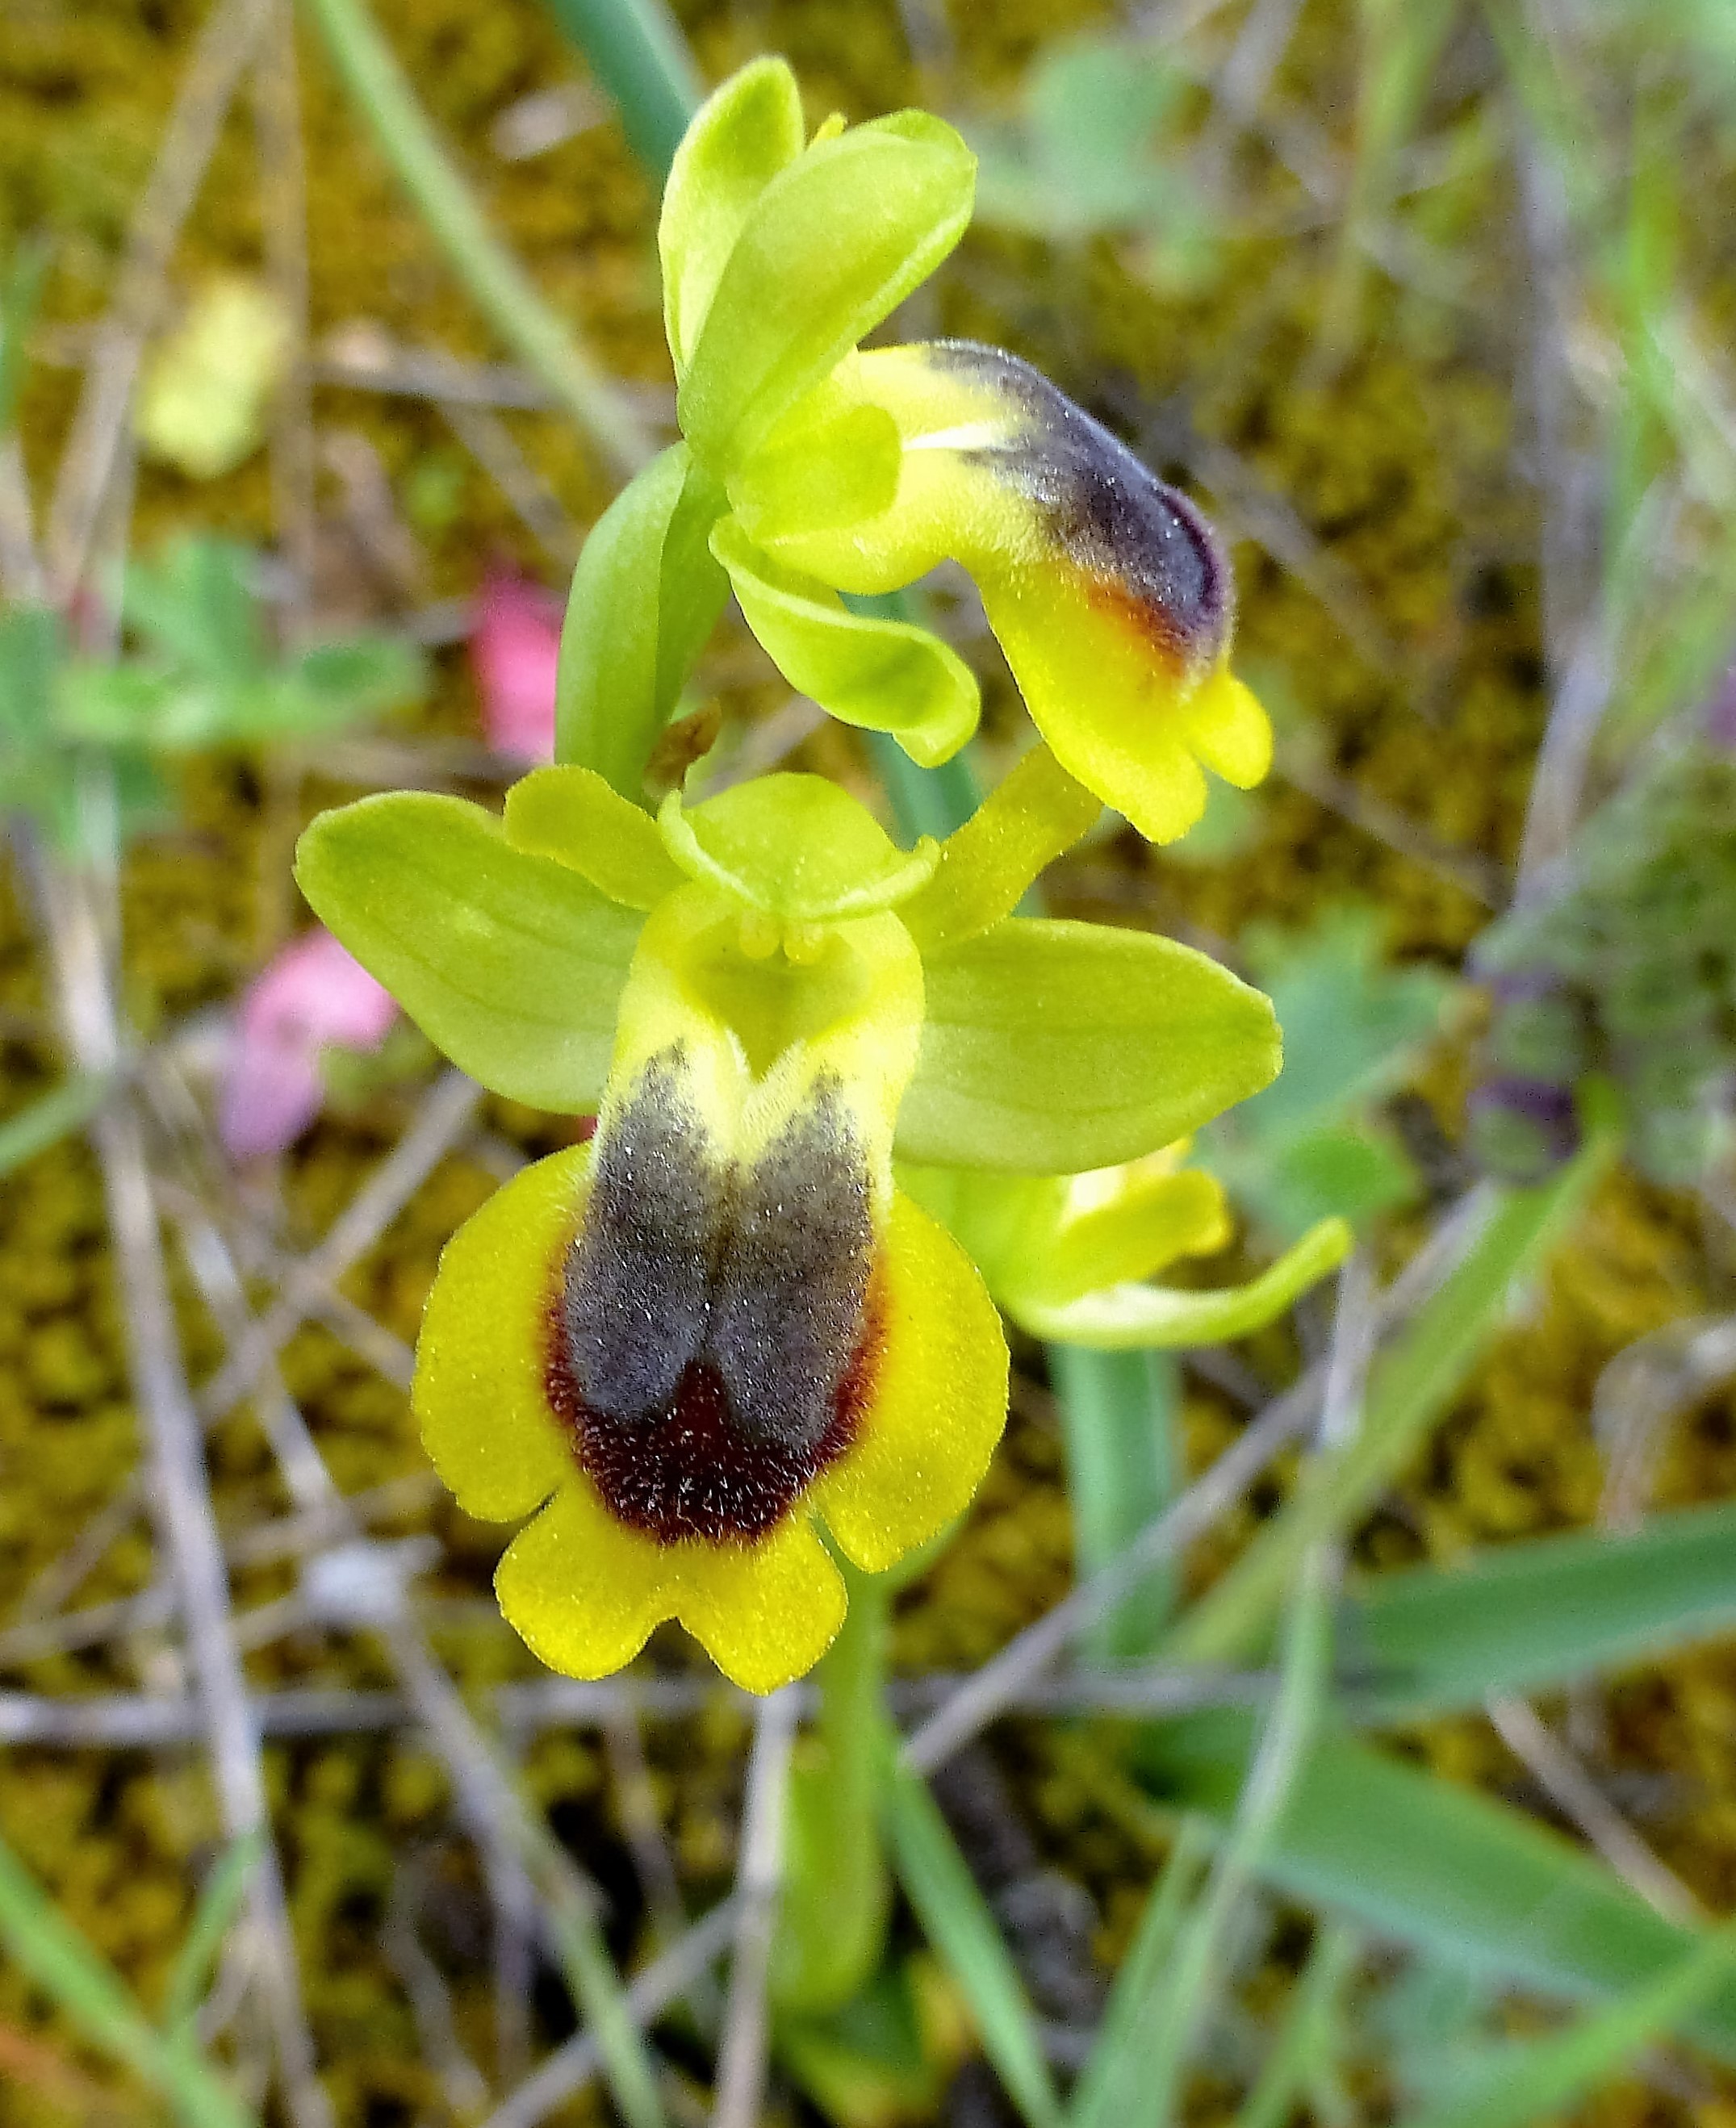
[
  {"x": 311, "y": 997},
  {"x": 515, "y": 647}
]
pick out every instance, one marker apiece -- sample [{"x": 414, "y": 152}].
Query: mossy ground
[{"x": 1420, "y": 667}]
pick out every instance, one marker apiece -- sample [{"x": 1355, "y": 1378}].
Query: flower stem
[{"x": 501, "y": 288}]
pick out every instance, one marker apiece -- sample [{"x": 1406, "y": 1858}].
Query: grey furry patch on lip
[
  {"x": 711, "y": 1348},
  {"x": 1104, "y": 506}
]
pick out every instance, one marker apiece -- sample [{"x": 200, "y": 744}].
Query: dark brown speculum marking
[
  {"x": 713, "y": 1342},
  {"x": 1155, "y": 559}
]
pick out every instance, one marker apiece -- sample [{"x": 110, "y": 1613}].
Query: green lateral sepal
[
  {"x": 882, "y": 675},
  {"x": 1053, "y": 1048},
  {"x": 512, "y": 964},
  {"x": 644, "y": 597}
]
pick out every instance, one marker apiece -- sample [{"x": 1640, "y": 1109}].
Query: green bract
[{"x": 810, "y": 470}]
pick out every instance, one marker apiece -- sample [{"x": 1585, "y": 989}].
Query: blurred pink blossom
[
  {"x": 515, "y": 647},
  {"x": 313, "y": 995}
]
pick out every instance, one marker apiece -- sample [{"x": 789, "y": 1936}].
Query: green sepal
[
  {"x": 644, "y": 597},
  {"x": 511, "y": 964},
  {"x": 571, "y": 815},
  {"x": 1129, "y": 1317},
  {"x": 883, "y": 675},
  {"x": 1054, "y": 1047},
  {"x": 739, "y": 140},
  {"x": 796, "y": 848},
  {"x": 830, "y": 247},
  {"x": 1035, "y": 812}
]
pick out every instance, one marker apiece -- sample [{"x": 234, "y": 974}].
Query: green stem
[
  {"x": 836, "y": 1898},
  {"x": 637, "y": 53},
  {"x": 1118, "y": 1413},
  {"x": 502, "y": 290}
]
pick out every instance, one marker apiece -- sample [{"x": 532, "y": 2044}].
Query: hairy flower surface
[
  {"x": 684, "y": 1346},
  {"x": 809, "y": 469}
]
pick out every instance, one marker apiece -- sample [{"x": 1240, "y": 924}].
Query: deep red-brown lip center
[
  {"x": 688, "y": 1473},
  {"x": 715, "y": 1331}
]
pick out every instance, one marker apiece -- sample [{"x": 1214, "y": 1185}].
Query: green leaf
[
  {"x": 571, "y": 815},
  {"x": 956, "y": 1919},
  {"x": 1351, "y": 1023},
  {"x": 511, "y": 964},
  {"x": 1410, "y": 1385},
  {"x": 739, "y": 140},
  {"x": 1053, "y": 1048},
  {"x": 44, "y": 1945},
  {"x": 20, "y": 293},
  {"x": 645, "y": 595},
  {"x": 195, "y": 606},
  {"x": 1468, "y": 1880},
  {"x": 1302, "y": 1150},
  {"x": 883, "y": 675},
  {"x": 1544, "y": 1612},
  {"x": 49, "y": 1118},
  {"x": 796, "y": 848},
  {"x": 1121, "y": 2053},
  {"x": 1514, "y": 2084},
  {"x": 1035, "y": 812},
  {"x": 831, "y": 246},
  {"x": 31, "y": 649},
  {"x": 218, "y": 1903}
]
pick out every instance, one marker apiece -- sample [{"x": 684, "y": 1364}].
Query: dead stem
[
  {"x": 180, "y": 1497},
  {"x": 741, "y": 2054},
  {"x": 220, "y": 55}
]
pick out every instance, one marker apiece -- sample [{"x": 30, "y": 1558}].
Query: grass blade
[
  {"x": 51, "y": 1117},
  {"x": 1306, "y": 2042},
  {"x": 1466, "y": 1880},
  {"x": 1118, "y": 1413},
  {"x": 1516, "y": 2085},
  {"x": 1409, "y": 1386},
  {"x": 1542, "y": 1612},
  {"x": 1121, "y": 2043},
  {"x": 958, "y": 1920},
  {"x": 57, "y": 1957}
]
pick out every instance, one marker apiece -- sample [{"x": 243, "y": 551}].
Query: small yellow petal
[
  {"x": 581, "y": 1589},
  {"x": 584, "y": 1591},
  {"x": 939, "y": 1399},
  {"x": 478, "y": 1392},
  {"x": 764, "y": 1613},
  {"x": 1229, "y": 730}
]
